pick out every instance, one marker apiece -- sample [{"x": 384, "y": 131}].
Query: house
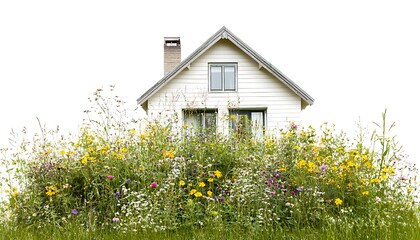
[{"x": 221, "y": 83}]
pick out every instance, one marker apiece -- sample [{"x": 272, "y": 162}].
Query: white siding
[{"x": 257, "y": 88}]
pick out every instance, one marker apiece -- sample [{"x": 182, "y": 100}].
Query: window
[
  {"x": 201, "y": 120},
  {"x": 248, "y": 121},
  {"x": 222, "y": 77}
]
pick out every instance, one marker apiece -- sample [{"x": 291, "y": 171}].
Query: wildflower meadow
[{"x": 120, "y": 177}]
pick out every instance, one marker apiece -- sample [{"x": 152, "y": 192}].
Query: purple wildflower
[
  {"x": 117, "y": 194},
  {"x": 323, "y": 167},
  {"x": 74, "y": 211},
  {"x": 292, "y": 193},
  {"x": 299, "y": 189},
  {"x": 263, "y": 171},
  {"x": 115, "y": 219},
  {"x": 153, "y": 184},
  {"x": 110, "y": 177},
  {"x": 128, "y": 180},
  {"x": 221, "y": 199}
]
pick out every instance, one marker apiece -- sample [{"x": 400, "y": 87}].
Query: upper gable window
[{"x": 222, "y": 77}]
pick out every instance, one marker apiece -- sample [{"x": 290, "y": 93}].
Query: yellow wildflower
[
  {"x": 269, "y": 142},
  {"x": 365, "y": 193},
  {"x": 383, "y": 176},
  {"x": 6, "y": 190},
  {"x": 185, "y": 126},
  {"x": 198, "y": 194},
  {"x": 15, "y": 194},
  {"x": 169, "y": 154},
  {"x": 375, "y": 180},
  {"x": 364, "y": 181},
  {"x": 62, "y": 152},
  {"x": 118, "y": 156},
  {"x": 210, "y": 193},
  {"x": 201, "y": 184},
  {"x": 193, "y": 191},
  {"x": 218, "y": 174},
  {"x": 181, "y": 183},
  {"x": 84, "y": 160},
  {"x": 50, "y": 193},
  {"x": 210, "y": 180},
  {"x": 351, "y": 164},
  {"x": 338, "y": 201},
  {"x": 301, "y": 164},
  {"x": 104, "y": 149},
  {"x": 51, "y": 190},
  {"x": 133, "y": 131},
  {"x": 311, "y": 167}
]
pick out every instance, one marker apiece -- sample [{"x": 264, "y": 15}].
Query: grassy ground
[{"x": 394, "y": 231}]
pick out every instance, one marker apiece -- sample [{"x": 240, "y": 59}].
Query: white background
[{"x": 356, "y": 58}]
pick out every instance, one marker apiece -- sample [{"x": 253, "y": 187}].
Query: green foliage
[{"x": 113, "y": 176}]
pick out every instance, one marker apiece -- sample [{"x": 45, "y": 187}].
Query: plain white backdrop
[{"x": 356, "y": 58}]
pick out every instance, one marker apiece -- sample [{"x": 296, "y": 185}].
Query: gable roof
[{"x": 224, "y": 33}]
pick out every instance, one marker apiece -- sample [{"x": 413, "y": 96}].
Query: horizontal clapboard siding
[{"x": 257, "y": 88}]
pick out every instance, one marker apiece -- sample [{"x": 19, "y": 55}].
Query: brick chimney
[{"x": 171, "y": 53}]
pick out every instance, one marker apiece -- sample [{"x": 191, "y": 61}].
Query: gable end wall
[{"x": 257, "y": 89}]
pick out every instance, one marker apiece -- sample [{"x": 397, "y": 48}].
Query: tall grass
[{"x": 114, "y": 179}]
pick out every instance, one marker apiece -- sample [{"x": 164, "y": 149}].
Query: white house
[{"x": 222, "y": 81}]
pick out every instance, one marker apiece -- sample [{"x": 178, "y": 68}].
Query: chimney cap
[{"x": 172, "y": 41}]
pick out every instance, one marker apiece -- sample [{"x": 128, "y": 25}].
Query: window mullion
[{"x": 223, "y": 78}]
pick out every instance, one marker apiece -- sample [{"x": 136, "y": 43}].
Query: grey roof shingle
[{"x": 224, "y": 33}]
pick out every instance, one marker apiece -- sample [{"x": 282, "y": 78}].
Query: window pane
[
  {"x": 216, "y": 78},
  {"x": 230, "y": 78},
  {"x": 210, "y": 120},
  {"x": 257, "y": 124},
  {"x": 192, "y": 120},
  {"x": 203, "y": 121},
  {"x": 248, "y": 122}
]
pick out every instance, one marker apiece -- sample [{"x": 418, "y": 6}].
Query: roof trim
[{"x": 224, "y": 33}]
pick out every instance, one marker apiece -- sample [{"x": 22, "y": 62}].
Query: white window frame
[
  {"x": 202, "y": 114},
  {"x": 223, "y": 65},
  {"x": 258, "y": 118}
]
